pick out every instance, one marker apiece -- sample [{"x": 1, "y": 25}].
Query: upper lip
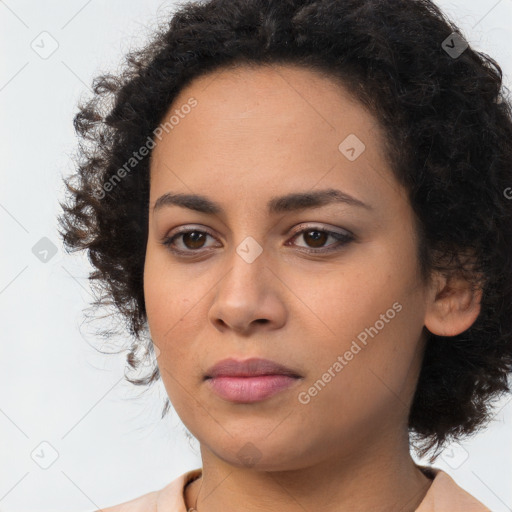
[{"x": 248, "y": 368}]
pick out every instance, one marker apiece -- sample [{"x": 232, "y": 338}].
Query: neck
[{"x": 386, "y": 480}]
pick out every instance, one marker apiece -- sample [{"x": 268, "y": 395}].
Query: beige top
[{"x": 444, "y": 495}]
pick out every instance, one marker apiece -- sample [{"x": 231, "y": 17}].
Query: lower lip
[{"x": 250, "y": 389}]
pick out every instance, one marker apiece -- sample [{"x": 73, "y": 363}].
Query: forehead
[{"x": 267, "y": 127}]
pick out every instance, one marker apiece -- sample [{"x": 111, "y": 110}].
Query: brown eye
[
  {"x": 318, "y": 238},
  {"x": 193, "y": 239},
  {"x": 315, "y": 239}
]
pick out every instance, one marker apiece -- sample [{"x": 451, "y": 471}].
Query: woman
[{"x": 305, "y": 206}]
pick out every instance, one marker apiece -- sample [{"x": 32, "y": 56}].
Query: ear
[{"x": 453, "y": 306}]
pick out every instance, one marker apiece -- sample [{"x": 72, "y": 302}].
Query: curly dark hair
[{"x": 448, "y": 124}]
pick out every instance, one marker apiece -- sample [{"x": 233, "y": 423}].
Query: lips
[{"x": 248, "y": 368}]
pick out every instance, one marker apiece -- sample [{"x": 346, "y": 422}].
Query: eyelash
[{"x": 343, "y": 239}]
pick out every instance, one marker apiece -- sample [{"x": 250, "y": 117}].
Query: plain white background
[{"x": 74, "y": 435}]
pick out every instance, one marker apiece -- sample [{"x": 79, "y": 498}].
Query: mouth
[
  {"x": 248, "y": 381},
  {"x": 253, "y": 367}
]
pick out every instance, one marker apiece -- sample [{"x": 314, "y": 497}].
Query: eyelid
[
  {"x": 343, "y": 238},
  {"x": 300, "y": 227},
  {"x": 184, "y": 230},
  {"x": 306, "y": 226}
]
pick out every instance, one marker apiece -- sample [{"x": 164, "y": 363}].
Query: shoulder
[
  {"x": 445, "y": 494},
  {"x": 146, "y": 503},
  {"x": 170, "y": 498}
]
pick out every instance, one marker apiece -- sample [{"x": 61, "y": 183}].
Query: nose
[{"x": 248, "y": 297}]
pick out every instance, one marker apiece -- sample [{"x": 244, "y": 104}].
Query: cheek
[
  {"x": 338, "y": 304},
  {"x": 377, "y": 288},
  {"x": 370, "y": 314},
  {"x": 177, "y": 311},
  {"x": 169, "y": 312},
  {"x": 168, "y": 305}
]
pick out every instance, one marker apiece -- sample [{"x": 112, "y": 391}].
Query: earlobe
[{"x": 453, "y": 306}]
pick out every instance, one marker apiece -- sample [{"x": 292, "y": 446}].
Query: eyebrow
[{"x": 282, "y": 204}]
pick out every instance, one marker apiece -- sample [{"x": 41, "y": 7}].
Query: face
[{"x": 330, "y": 289}]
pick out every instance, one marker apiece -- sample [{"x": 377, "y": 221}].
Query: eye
[
  {"x": 318, "y": 236},
  {"x": 192, "y": 240}
]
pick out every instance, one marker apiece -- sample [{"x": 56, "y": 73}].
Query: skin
[{"x": 259, "y": 132}]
